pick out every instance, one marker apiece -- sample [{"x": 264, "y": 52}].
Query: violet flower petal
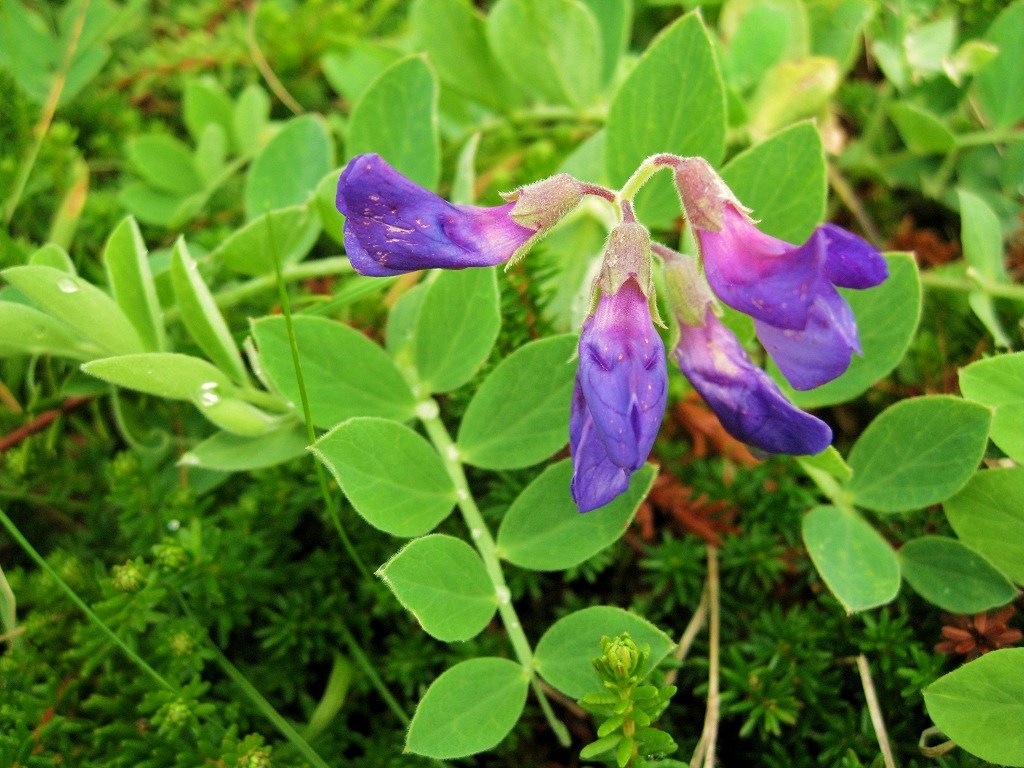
[
  {"x": 596, "y": 480},
  {"x": 393, "y": 225},
  {"x": 819, "y": 353},
  {"x": 623, "y": 376},
  {"x": 747, "y": 402},
  {"x": 850, "y": 261}
]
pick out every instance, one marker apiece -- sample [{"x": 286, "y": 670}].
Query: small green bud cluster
[
  {"x": 128, "y": 576},
  {"x": 627, "y": 707}
]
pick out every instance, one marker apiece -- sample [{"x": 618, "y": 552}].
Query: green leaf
[
  {"x": 922, "y": 132},
  {"x": 456, "y": 327},
  {"x": 980, "y": 706},
  {"x": 791, "y": 90},
  {"x": 249, "y": 119},
  {"x": 794, "y": 46},
  {"x": 836, "y": 27},
  {"x": 226, "y": 452},
  {"x": 565, "y": 652},
  {"x": 206, "y": 103},
  {"x": 211, "y": 153},
  {"x": 165, "y": 163},
  {"x": 951, "y": 575},
  {"x": 286, "y": 234},
  {"x": 853, "y": 559},
  {"x": 987, "y": 515},
  {"x": 350, "y": 72},
  {"x": 999, "y": 83},
  {"x": 153, "y": 206},
  {"x": 443, "y": 582},
  {"x": 27, "y": 331},
  {"x": 53, "y": 255},
  {"x": 887, "y": 318},
  {"x": 85, "y": 308},
  {"x": 201, "y": 317},
  {"x": 238, "y": 416},
  {"x": 981, "y": 236},
  {"x": 757, "y": 43},
  {"x": 672, "y": 101},
  {"x": 396, "y": 117},
  {"x": 287, "y": 170},
  {"x": 615, "y": 20},
  {"x": 518, "y": 417},
  {"x": 164, "y": 374},
  {"x": 918, "y": 452},
  {"x": 131, "y": 282},
  {"x": 331, "y": 220},
  {"x": 829, "y": 461},
  {"x": 998, "y": 382},
  {"x": 392, "y": 476},
  {"x": 468, "y": 709},
  {"x": 464, "y": 183},
  {"x": 544, "y": 531},
  {"x": 401, "y": 323},
  {"x": 345, "y": 373},
  {"x": 548, "y": 47},
  {"x": 453, "y": 34},
  {"x": 783, "y": 180}
]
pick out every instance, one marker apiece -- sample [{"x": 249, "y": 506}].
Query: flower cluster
[{"x": 394, "y": 226}]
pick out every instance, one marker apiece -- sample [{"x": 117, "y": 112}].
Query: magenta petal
[
  {"x": 747, "y": 402},
  {"x": 821, "y": 351},
  {"x": 623, "y": 376},
  {"x": 850, "y": 261},
  {"x": 393, "y": 225},
  {"x": 596, "y": 480}
]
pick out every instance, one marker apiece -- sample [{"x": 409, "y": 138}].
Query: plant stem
[
  {"x": 689, "y": 635},
  {"x": 974, "y": 282},
  {"x": 981, "y": 138},
  {"x": 264, "y": 66},
  {"x": 876, "y": 711},
  {"x": 46, "y": 118},
  {"x": 16, "y": 534},
  {"x": 853, "y": 204},
  {"x": 704, "y": 754},
  {"x": 428, "y": 412},
  {"x": 641, "y": 176},
  {"x": 332, "y": 510}
]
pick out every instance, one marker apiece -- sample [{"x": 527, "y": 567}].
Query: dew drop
[
  {"x": 476, "y": 533},
  {"x": 427, "y": 409},
  {"x": 504, "y": 596},
  {"x": 207, "y": 394},
  {"x": 173, "y": 525},
  {"x": 462, "y": 494},
  {"x": 189, "y": 460},
  {"x": 452, "y": 452},
  {"x": 67, "y": 285}
]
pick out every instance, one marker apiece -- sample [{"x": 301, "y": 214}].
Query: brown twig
[
  {"x": 40, "y": 422},
  {"x": 689, "y": 635},
  {"x": 842, "y": 188},
  {"x": 264, "y": 66},
  {"x": 876, "y": 711},
  {"x": 704, "y": 754},
  {"x": 565, "y": 701}
]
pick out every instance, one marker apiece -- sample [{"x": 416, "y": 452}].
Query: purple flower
[
  {"x": 790, "y": 291},
  {"x": 747, "y": 402},
  {"x": 619, "y": 398},
  {"x": 394, "y": 226}
]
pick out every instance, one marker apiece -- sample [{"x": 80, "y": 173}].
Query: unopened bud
[
  {"x": 687, "y": 291},
  {"x": 627, "y": 254},
  {"x": 127, "y": 577},
  {"x": 541, "y": 205},
  {"x": 704, "y": 194}
]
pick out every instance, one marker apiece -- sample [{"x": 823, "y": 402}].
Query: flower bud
[
  {"x": 627, "y": 254},
  {"x": 541, "y": 205},
  {"x": 704, "y": 194}
]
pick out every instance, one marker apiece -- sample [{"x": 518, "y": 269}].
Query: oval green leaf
[
  {"x": 443, "y": 583},
  {"x": 164, "y": 374},
  {"x": 468, "y": 709},
  {"x": 131, "y": 282},
  {"x": 396, "y": 117},
  {"x": 980, "y": 706},
  {"x": 565, "y": 653},
  {"x": 951, "y": 575},
  {"x": 285, "y": 235},
  {"x": 345, "y": 373},
  {"x": 226, "y": 452},
  {"x": 998, "y": 382},
  {"x": 918, "y": 452},
  {"x": 456, "y": 326},
  {"x": 999, "y": 83},
  {"x": 289, "y": 167},
  {"x": 988, "y": 516},
  {"x": 544, "y": 531},
  {"x": 853, "y": 559},
  {"x": 392, "y": 476},
  {"x": 85, "y": 308},
  {"x": 27, "y": 331},
  {"x": 518, "y": 416}
]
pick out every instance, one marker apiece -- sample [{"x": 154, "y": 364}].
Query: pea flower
[
  {"x": 393, "y": 225},
  {"x": 790, "y": 291},
  {"x": 622, "y": 382},
  {"x": 747, "y": 402}
]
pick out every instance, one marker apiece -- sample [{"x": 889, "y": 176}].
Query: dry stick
[
  {"x": 46, "y": 118},
  {"x": 264, "y": 66},
  {"x": 876, "y": 711},
  {"x": 842, "y": 188},
  {"x": 40, "y": 422},
  {"x": 704, "y": 754},
  {"x": 689, "y": 635}
]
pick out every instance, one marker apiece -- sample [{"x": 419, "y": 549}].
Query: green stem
[
  {"x": 428, "y": 413},
  {"x": 263, "y": 399},
  {"x": 338, "y": 265},
  {"x": 981, "y": 138},
  {"x": 640, "y": 177},
  {"x": 830, "y": 487},
  {"x": 877, "y": 119},
  {"x": 972, "y": 283},
  {"x": 332, "y": 510},
  {"x": 16, "y": 534}
]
